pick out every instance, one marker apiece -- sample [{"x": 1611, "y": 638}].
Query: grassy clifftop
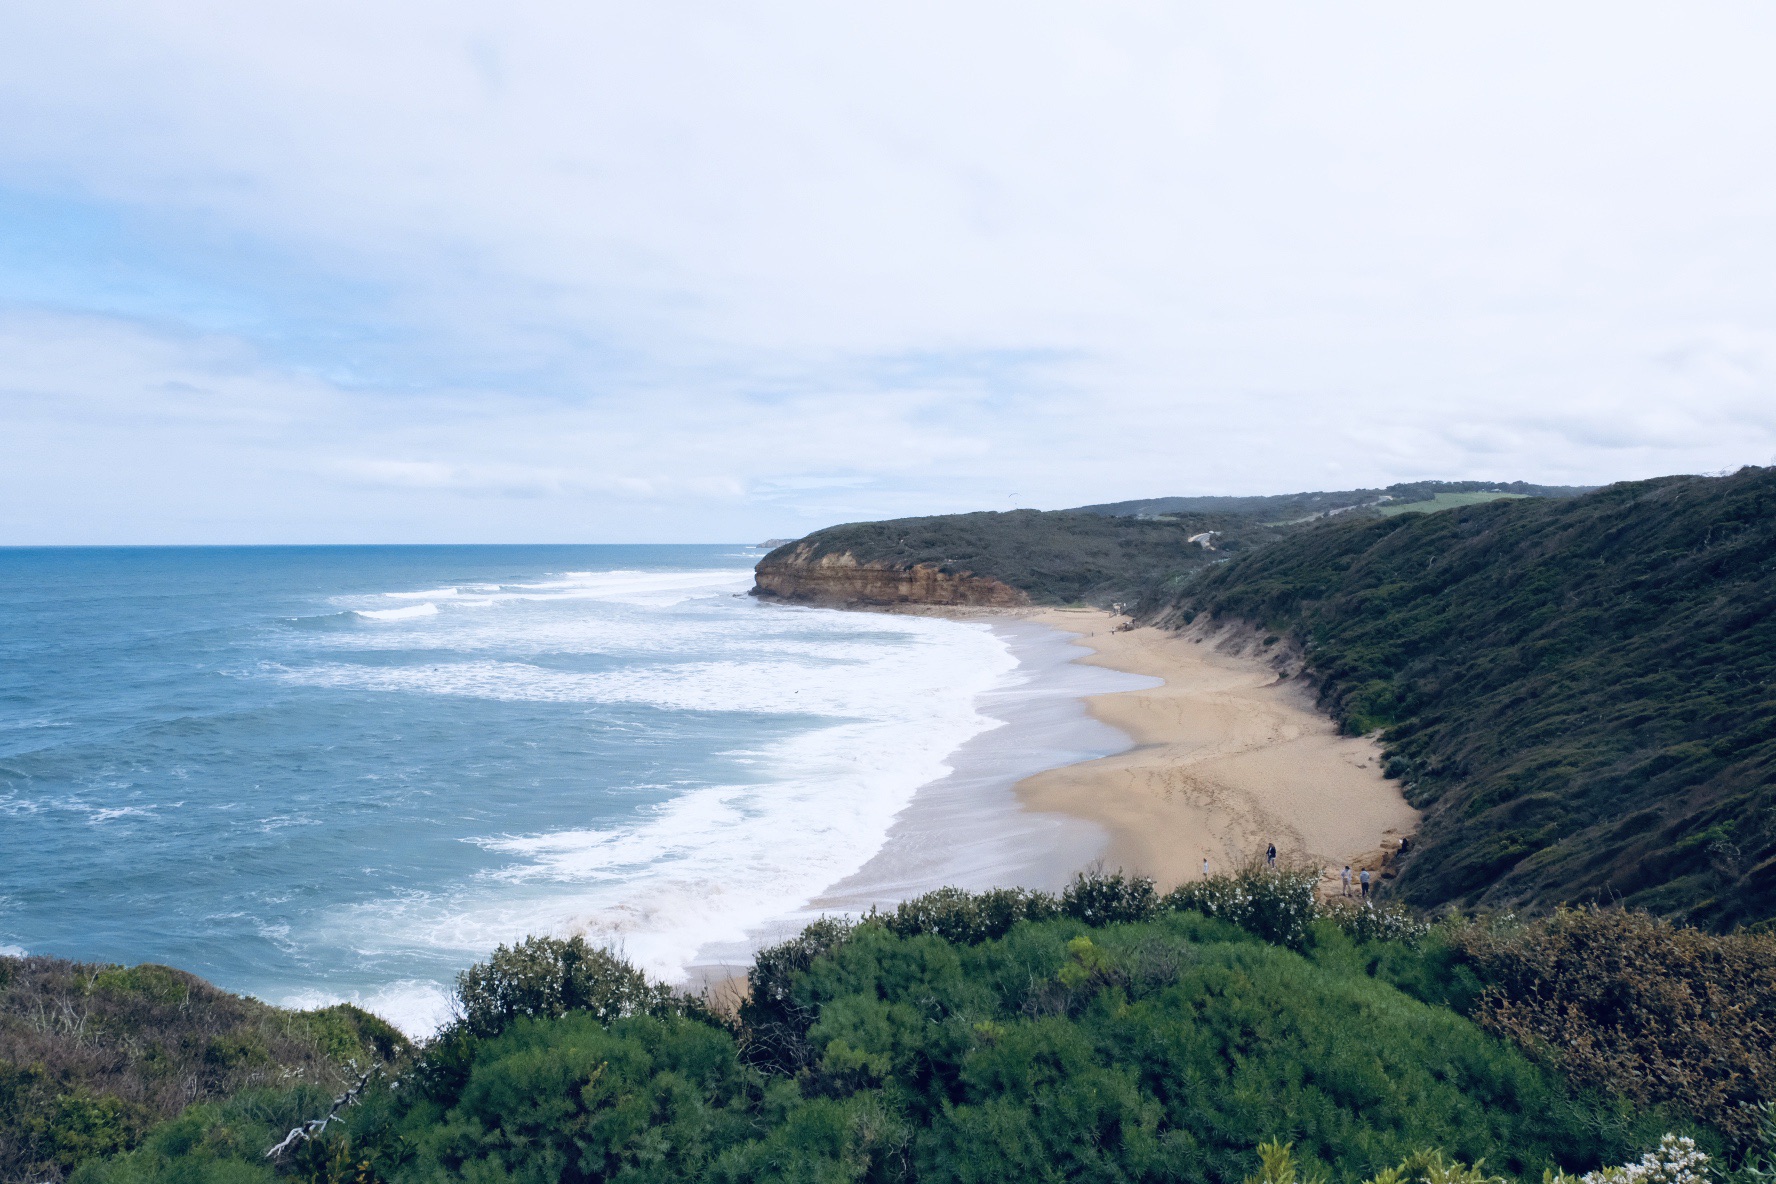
[
  {"x": 1580, "y": 693},
  {"x": 1052, "y": 557},
  {"x": 1105, "y": 553},
  {"x": 1288, "y": 507}
]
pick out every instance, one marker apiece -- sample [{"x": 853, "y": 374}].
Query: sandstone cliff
[{"x": 803, "y": 576}]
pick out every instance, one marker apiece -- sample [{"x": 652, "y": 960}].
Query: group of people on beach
[{"x": 1270, "y": 862}]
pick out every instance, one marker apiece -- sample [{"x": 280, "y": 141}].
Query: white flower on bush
[{"x": 1675, "y": 1162}]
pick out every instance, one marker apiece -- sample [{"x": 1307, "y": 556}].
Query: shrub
[
  {"x": 1099, "y": 899},
  {"x": 92, "y": 1056},
  {"x": 968, "y": 917},
  {"x": 1372, "y": 920},
  {"x": 216, "y": 1142},
  {"x": 1645, "y": 1009},
  {"x": 1675, "y": 1161},
  {"x": 548, "y": 977},
  {"x": 1277, "y": 904},
  {"x": 776, "y": 1023},
  {"x": 1153, "y": 1050}
]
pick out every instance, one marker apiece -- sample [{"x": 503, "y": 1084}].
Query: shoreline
[
  {"x": 968, "y": 828},
  {"x": 1230, "y": 754},
  {"x": 1132, "y": 749}
]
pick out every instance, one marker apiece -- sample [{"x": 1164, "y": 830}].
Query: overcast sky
[{"x": 590, "y": 272}]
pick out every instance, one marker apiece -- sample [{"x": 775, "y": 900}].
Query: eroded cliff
[{"x": 804, "y": 576}]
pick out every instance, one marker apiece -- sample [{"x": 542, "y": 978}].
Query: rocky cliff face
[{"x": 839, "y": 579}]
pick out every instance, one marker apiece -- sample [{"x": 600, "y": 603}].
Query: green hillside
[
  {"x": 1578, "y": 692},
  {"x": 1121, "y": 550}
]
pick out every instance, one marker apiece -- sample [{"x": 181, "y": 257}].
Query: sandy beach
[{"x": 1230, "y": 755}]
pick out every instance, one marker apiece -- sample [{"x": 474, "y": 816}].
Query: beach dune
[{"x": 1231, "y": 754}]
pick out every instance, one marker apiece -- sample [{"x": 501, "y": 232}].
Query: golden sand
[{"x": 1231, "y": 755}]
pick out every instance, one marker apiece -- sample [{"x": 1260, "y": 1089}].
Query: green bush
[
  {"x": 1164, "y": 1049},
  {"x": 1373, "y": 920},
  {"x": 1277, "y": 904},
  {"x": 968, "y": 917},
  {"x": 213, "y": 1142}
]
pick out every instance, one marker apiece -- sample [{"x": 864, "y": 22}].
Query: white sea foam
[
  {"x": 412, "y": 611},
  {"x": 415, "y": 1006},
  {"x": 898, "y": 695},
  {"x": 764, "y": 685},
  {"x": 97, "y": 815},
  {"x": 878, "y": 702},
  {"x": 11, "y": 951},
  {"x": 629, "y": 587}
]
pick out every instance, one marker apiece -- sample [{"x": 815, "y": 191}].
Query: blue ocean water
[{"x": 313, "y": 773}]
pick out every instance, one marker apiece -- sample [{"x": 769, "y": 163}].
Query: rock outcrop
[{"x": 837, "y": 578}]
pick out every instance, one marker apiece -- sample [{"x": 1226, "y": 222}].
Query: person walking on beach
[
  {"x": 1205, "y": 867},
  {"x": 1346, "y": 880},
  {"x": 1270, "y": 856},
  {"x": 1365, "y": 883}
]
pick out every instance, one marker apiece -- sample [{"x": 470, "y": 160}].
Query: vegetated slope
[
  {"x": 1288, "y": 507},
  {"x": 1104, "y": 1035},
  {"x": 1577, "y": 692},
  {"x": 1102, "y": 554},
  {"x": 91, "y": 1056},
  {"x": 1050, "y": 557}
]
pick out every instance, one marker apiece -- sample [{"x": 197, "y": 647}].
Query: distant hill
[
  {"x": 1286, "y": 507},
  {"x": 1580, "y": 692}
]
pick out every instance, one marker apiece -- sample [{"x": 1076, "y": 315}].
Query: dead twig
[{"x": 314, "y": 1126}]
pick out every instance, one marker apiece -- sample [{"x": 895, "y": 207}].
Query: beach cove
[
  {"x": 1120, "y": 748},
  {"x": 1230, "y": 753}
]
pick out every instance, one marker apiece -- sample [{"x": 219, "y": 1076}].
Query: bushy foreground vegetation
[
  {"x": 91, "y": 1056},
  {"x": 1580, "y": 693},
  {"x": 1109, "y": 1033},
  {"x": 1637, "y": 1006}
]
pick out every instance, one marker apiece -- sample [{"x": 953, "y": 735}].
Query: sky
[{"x": 679, "y": 272}]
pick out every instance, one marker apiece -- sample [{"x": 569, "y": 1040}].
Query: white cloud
[{"x": 690, "y": 270}]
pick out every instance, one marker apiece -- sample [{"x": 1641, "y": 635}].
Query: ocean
[{"x": 323, "y": 773}]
